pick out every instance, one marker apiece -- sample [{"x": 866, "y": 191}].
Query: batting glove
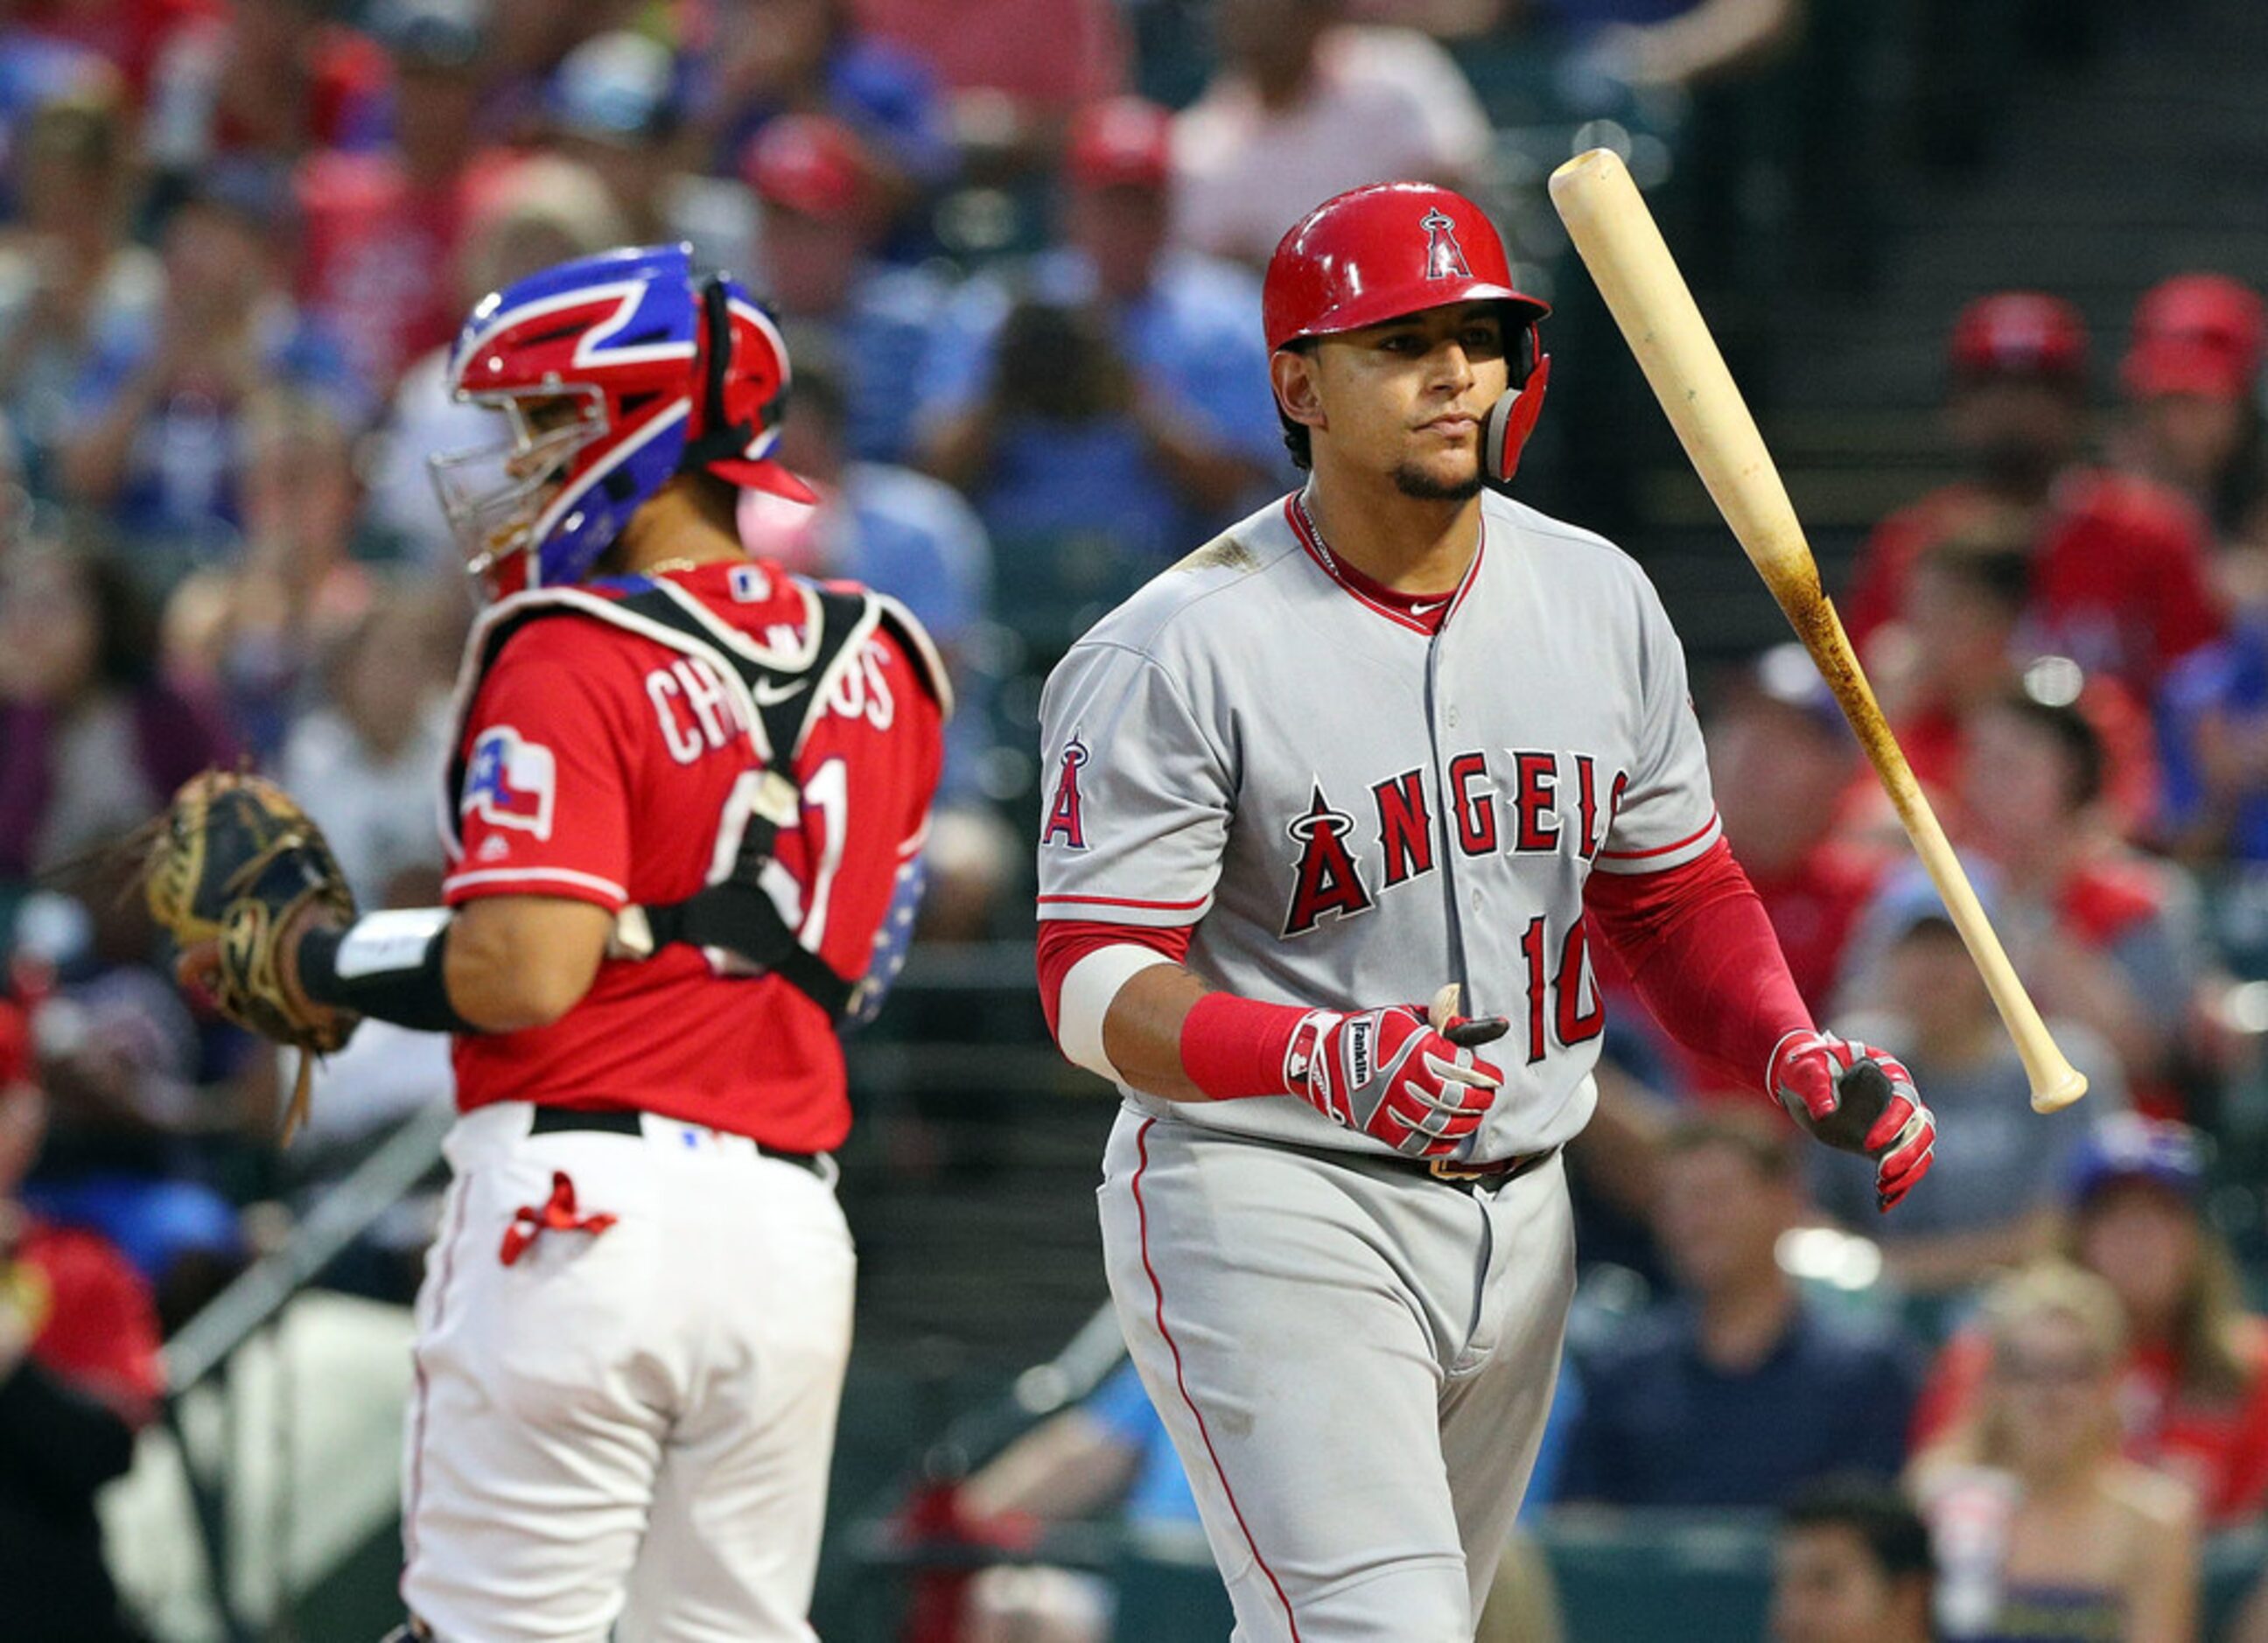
[
  {"x": 1391, "y": 1074},
  {"x": 1858, "y": 1099}
]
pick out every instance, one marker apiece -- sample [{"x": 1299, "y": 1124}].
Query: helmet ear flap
[{"x": 1509, "y": 423}]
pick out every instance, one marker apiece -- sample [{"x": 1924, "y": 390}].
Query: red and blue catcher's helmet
[
  {"x": 614, "y": 372},
  {"x": 1393, "y": 248}
]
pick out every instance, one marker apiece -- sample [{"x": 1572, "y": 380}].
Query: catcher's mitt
[{"x": 232, "y": 864}]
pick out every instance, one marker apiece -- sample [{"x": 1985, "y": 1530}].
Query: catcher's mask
[{"x": 614, "y": 372}]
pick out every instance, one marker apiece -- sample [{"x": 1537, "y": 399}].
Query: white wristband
[{"x": 1087, "y": 992}]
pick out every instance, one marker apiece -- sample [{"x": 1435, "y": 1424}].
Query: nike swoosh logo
[{"x": 770, "y": 695}]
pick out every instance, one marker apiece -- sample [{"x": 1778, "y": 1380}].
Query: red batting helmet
[
  {"x": 1394, "y": 248},
  {"x": 1378, "y": 253}
]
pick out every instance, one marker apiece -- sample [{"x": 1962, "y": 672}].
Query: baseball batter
[
  {"x": 1394, "y": 733},
  {"x": 683, "y": 815}
]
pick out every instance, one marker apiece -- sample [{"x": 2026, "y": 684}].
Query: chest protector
[{"x": 780, "y": 693}]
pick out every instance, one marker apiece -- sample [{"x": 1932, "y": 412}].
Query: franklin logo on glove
[{"x": 1359, "y": 1033}]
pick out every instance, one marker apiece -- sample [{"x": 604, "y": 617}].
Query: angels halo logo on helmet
[{"x": 609, "y": 375}]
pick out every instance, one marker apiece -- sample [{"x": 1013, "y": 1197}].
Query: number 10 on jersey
[{"x": 1559, "y": 983}]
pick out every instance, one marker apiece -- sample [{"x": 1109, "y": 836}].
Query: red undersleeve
[{"x": 1702, "y": 954}]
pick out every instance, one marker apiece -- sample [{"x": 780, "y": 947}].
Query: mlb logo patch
[{"x": 511, "y": 783}]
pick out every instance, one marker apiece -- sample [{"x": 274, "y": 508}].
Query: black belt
[{"x": 622, "y": 1121}]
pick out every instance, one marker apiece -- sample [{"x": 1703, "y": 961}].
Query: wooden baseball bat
[{"x": 1616, "y": 234}]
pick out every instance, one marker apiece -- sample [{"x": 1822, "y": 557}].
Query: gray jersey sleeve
[
  {"x": 1139, "y": 794},
  {"x": 1667, "y": 816}
]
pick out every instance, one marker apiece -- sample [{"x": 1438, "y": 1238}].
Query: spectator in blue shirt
[
  {"x": 34, "y": 71},
  {"x": 1116, "y": 386},
  {"x": 822, "y": 217},
  {"x": 2212, "y": 735},
  {"x": 69, "y": 274},
  {"x": 1738, "y": 1390},
  {"x": 773, "y": 57},
  {"x": 156, "y": 440},
  {"x": 619, "y": 104}
]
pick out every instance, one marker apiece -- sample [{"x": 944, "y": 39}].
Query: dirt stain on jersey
[{"x": 1224, "y": 551}]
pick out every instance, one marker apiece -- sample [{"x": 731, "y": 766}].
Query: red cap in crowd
[
  {"x": 1122, "y": 141},
  {"x": 2196, "y": 333},
  {"x": 810, "y": 163},
  {"x": 2020, "y": 334}
]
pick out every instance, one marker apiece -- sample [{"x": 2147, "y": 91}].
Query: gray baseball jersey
[{"x": 1351, "y": 810}]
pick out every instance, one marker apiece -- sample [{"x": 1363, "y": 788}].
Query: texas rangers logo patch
[
  {"x": 1445, "y": 258},
  {"x": 1066, "y": 820},
  {"x": 511, "y": 783}
]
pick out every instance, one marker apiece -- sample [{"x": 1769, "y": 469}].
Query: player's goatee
[{"x": 1417, "y": 484}]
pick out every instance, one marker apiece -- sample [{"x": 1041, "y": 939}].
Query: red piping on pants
[{"x": 1142, "y": 1215}]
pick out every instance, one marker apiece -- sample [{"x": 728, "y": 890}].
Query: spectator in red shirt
[
  {"x": 1958, "y": 646},
  {"x": 2119, "y": 580},
  {"x": 1014, "y": 69},
  {"x": 2192, "y": 378},
  {"x": 261, "y": 84},
  {"x": 2193, "y": 1392},
  {"x": 2100, "y": 932},
  {"x": 79, "y": 1373},
  {"x": 380, "y": 228},
  {"x": 1785, "y": 769},
  {"x": 1782, "y": 761}
]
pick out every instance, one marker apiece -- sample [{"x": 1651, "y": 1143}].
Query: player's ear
[{"x": 1292, "y": 372}]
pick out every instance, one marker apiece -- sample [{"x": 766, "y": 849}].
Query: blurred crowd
[{"x": 1014, "y": 246}]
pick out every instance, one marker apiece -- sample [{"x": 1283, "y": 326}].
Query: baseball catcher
[{"x": 683, "y": 810}]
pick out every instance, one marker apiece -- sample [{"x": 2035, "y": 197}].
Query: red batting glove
[
  {"x": 1858, "y": 1099},
  {"x": 1387, "y": 1073}
]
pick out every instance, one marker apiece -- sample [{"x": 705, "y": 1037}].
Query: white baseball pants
[{"x": 624, "y": 1433}]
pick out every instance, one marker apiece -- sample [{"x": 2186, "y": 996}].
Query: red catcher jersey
[
  {"x": 376, "y": 256},
  {"x": 600, "y": 764}
]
